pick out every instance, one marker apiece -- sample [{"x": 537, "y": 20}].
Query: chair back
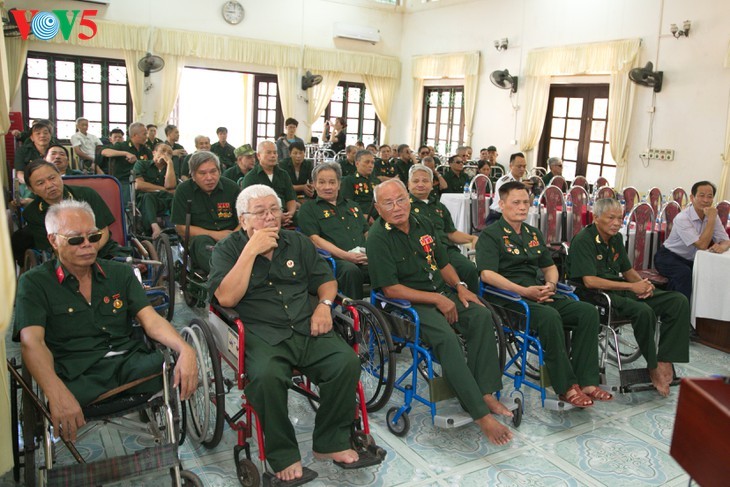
[
  {"x": 666, "y": 220},
  {"x": 538, "y": 186},
  {"x": 655, "y": 199},
  {"x": 640, "y": 223},
  {"x": 680, "y": 196},
  {"x": 605, "y": 192},
  {"x": 480, "y": 191},
  {"x": 538, "y": 171},
  {"x": 324, "y": 155},
  {"x": 723, "y": 209},
  {"x": 551, "y": 222},
  {"x": 601, "y": 182},
  {"x": 580, "y": 216},
  {"x": 559, "y": 181},
  {"x": 631, "y": 198},
  {"x": 110, "y": 191},
  {"x": 496, "y": 172},
  {"x": 580, "y": 181}
]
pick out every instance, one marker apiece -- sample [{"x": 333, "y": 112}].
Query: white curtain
[
  {"x": 382, "y": 92},
  {"x": 169, "y": 88},
  {"x": 537, "y": 92},
  {"x": 416, "y": 112},
  {"x": 320, "y": 96},
  {"x": 136, "y": 81},
  {"x": 289, "y": 86},
  {"x": 724, "y": 189},
  {"x": 620, "y": 105}
]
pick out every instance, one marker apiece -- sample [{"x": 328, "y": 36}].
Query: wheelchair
[
  {"x": 405, "y": 325},
  {"x": 193, "y": 282},
  {"x": 222, "y": 339},
  {"x": 163, "y": 422}
]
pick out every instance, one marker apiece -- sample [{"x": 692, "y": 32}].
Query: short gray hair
[
  {"x": 200, "y": 158},
  {"x": 327, "y": 166},
  {"x": 199, "y": 138},
  {"x": 388, "y": 182},
  {"x": 605, "y": 204},
  {"x": 81, "y": 119},
  {"x": 134, "y": 127},
  {"x": 363, "y": 153},
  {"x": 553, "y": 161},
  {"x": 260, "y": 147},
  {"x": 419, "y": 167},
  {"x": 253, "y": 192},
  {"x": 53, "y": 216}
]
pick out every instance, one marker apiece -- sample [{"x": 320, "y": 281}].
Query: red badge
[{"x": 106, "y": 300}]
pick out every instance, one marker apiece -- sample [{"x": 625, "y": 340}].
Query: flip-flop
[
  {"x": 599, "y": 394},
  {"x": 578, "y": 399}
]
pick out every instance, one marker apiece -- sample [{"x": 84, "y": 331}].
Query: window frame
[
  {"x": 279, "y": 118},
  {"x": 452, "y": 89},
  {"x": 326, "y": 115}
]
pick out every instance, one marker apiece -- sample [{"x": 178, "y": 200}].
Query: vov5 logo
[{"x": 46, "y": 25}]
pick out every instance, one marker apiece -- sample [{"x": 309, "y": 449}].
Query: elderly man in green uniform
[
  {"x": 299, "y": 170},
  {"x": 510, "y": 256},
  {"x": 408, "y": 261},
  {"x": 73, "y": 317},
  {"x": 555, "y": 164},
  {"x": 598, "y": 259},
  {"x": 406, "y": 159},
  {"x": 45, "y": 181},
  {"x": 172, "y": 135},
  {"x": 126, "y": 154},
  {"x": 182, "y": 170},
  {"x": 223, "y": 149},
  {"x": 213, "y": 201},
  {"x": 245, "y": 161},
  {"x": 267, "y": 275},
  {"x": 58, "y": 155},
  {"x": 152, "y": 139},
  {"x": 337, "y": 225},
  {"x": 154, "y": 185},
  {"x": 267, "y": 172},
  {"x": 359, "y": 186},
  {"x": 425, "y": 204},
  {"x": 384, "y": 164},
  {"x": 347, "y": 163},
  {"x": 456, "y": 178}
]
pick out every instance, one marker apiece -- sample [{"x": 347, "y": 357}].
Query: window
[
  {"x": 352, "y": 101},
  {"x": 576, "y": 130},
  {"x": 443, "y": 118},
  {"x": 268, "y": 118},
  {"x": 62, "y": 88}
]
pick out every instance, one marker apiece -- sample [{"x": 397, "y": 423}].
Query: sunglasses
[{"x": 79, "y": 239}]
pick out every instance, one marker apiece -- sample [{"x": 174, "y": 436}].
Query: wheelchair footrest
[
  {"x": 637, "y": 380},
  {"x": 307, "y": 476},
  {"x": 454, "y": 420},
  {"x": 116, "y": 468},
  {"x": 368, "y": 458}
]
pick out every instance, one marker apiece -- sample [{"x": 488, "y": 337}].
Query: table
[
  {"x": 460, "y": 209},
  {"x": 710, "y": 292}
]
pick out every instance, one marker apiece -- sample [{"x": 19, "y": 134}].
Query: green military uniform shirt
[
  {"x": 402, "y": 167},
  {"x": 591, "y": 256},
  {"x": 35, "y": 215},
  {"x": 28, "y": 152},
  {"x": 148, "y": 171},
  {"x": 233, "y": 173},
  {"x": 182, "y": 166},
  {"x": 177, "y": 160},
  {"x": 80, "y": 334},
  {"x": 122, "y": 168},
  {"x": 385, "y": 168},
  {"x": 343, "y": 224},
  {"x": 439, "y": 216},
  {"x": 517, "y": 257},
  {"x": 281, "y": 182},
  {"x": 214, "y": 211},
  {"x": 360, "y": 189},
  {"x": 277, "y": 301},
  {"x": 72, "y": 172},
  {"x": 151, "y": 144},
  {"x": 225, "y": 154},
  {"x": 455, "y": 184},
  {"x": 305, "y": 170},
  {"x": 412, "y": 259},
  {"x": 547, "y": 178},
  {"x": 347, "y": 167}
]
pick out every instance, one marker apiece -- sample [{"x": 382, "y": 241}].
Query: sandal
[
  {"x": 579, "y": 399},
  {"x": 598, "y": 394}
]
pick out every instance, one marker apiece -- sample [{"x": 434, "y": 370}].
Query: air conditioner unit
[{"x": 356, "y": 32}]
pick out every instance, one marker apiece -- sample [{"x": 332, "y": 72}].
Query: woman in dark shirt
[{"x": 338, "y": 137}]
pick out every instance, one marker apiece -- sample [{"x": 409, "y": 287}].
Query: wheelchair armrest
[
  {"x": 229, "y": 314},
  {"x": 399, "y": 303},
  {"x": 564, "y": 288},
  {"x": 593, "y": 296},
  {"x": 502, "y": 293}
]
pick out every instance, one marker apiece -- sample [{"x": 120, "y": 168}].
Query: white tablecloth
[
  {"x": 710, "y": 290},
  {"x": 458, "y": 205}
]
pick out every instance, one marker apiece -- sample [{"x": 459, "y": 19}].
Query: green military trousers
[
  {"x": 350, "y": 278},
  {"x": 672, "y": 308},
  {"x": 479, "y": 374},
  {"x": 549, "y": 320},
  {"x": 151, "y": 205},
  {"x": 465, "y": 269},
  {"x": 328, "y": 362}
]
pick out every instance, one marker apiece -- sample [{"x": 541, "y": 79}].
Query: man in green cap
[
  {"x": 511, "y": 255},
  {"x": 359, "y": 186},
  {"x": 154, "y": 187},
  {"x": 269, "y": 173},
  {"x": 125, "y": 154},
  {"x": 267, "y": 275},
  {"x": 598, "y": 259},
  {"x": 212, "y": 203},
  {"x": 245, "y": 161},
  {"x": 224, "y": 150},
  {"x": 408, "y": 261}
]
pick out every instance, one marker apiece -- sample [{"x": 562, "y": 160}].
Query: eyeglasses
[
  {"x": 261, "y": 214},
  {"x": 458, "y": 162},
  {"x": 79, "y": 239},
  {"x": 390, "y": 205}
]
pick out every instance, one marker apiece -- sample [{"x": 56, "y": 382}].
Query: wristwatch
[
  {"x": 327, "y": 302},
  {"x": 462, "y": 283}
]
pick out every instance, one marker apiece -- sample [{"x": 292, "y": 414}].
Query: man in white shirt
[
  {"x": 85, "y": 144},
  {"x": 517, "y": 170},
  {"x": 697, "y": 228}
]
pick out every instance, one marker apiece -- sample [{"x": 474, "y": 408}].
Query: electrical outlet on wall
[{"x": 658, "y": 154}]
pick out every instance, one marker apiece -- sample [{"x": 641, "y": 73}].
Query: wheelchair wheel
[
  {"x": 377, "y": 355},
  {"x": 189, "y": 479},
  {"x": 402, "y": 426},
  {"x": 207, "y": 405},
  {"x": 513, "y": 344},
  {"x": 32, "y": 428},
  {"x": 498, "y": 332},
  {"x": 628, "y": 347},
  {"x": 165, "y": 274},
  {"x": 189, "y": 297},
  {"x": 248, "y": 473}
]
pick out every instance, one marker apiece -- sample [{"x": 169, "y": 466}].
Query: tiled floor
[{"x": 622, "y": 443}]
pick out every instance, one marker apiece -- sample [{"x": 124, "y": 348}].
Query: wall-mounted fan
[
  {"x": 646, "y": 76},
  {"x": 309, "y": 80},
  {"x": 504, "y": 80},
  {"x": 150, "y": 64}
]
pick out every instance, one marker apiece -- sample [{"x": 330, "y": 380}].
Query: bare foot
[
  {"x": 344, "y": 456},
  {"x": 657, "y": 379},
  {"x": 665, "y": 368},
  {"x": 496, "y": 432},
  {"x": 293, "y": 471},
  {"x": 496, "y": 407},
  {"x": 156, "y": 230}
]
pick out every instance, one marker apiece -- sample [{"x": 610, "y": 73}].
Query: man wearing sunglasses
[
  {"x": 555, "y": 164},
  {"x": 456, "y": 178},
  {"x": 74, "y": 321}
]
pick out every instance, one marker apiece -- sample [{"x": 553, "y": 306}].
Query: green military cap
[{"x": 244, "y": 150}]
